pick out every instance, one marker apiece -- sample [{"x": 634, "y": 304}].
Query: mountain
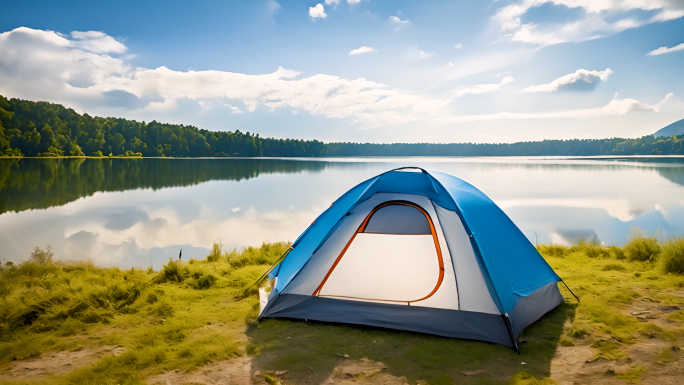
[{"x": 674, "y": 129}]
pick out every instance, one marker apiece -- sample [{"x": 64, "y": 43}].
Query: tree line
[
  {"x": 47, "y": 129},
  {"x": 42, "y": 183}
]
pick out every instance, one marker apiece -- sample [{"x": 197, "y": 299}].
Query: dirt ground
[
  {"x": 571, "y": 365},
  {"x": 55, "y": 364},
  {"x": 237, "y": 371},
  {"x": 575, "y": 364}
]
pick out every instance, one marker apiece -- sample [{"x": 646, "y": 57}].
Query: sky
[{"x": 357, "y": 70}]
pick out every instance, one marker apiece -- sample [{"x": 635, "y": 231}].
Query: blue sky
[{"x": 378, "y": 71}]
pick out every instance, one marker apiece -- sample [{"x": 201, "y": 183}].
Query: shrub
[
  {"x": 616, "y": 252},
  {"x": 42, "y": 257},
  {"x": 172, "y": 272},
  {"x": 591, "y": 249},
  {"x": 215, "y": 254},
  {"x": 204, "y": 282},
  {"x": 152, "y": 298},
  {"x": 264, "y": 255},
  {"x": 641, "y": 248},
  {"x": 673, "y": 256},
  {"x": 553, "y": 250}
]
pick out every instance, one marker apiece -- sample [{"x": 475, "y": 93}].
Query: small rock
[
  {"x": 675, "y": 348},
  {"x": 523, "y": 363},
  {"x": 640, "y": 312},
  {"x": 471, "y": 372},
  {"x": 280, "y": 372},
  {"x": 343, "y": 355},
  {"x": 119, "y": 350},
  {"x": 610, "y": 372}
]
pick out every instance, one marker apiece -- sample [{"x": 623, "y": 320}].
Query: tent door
[{"x": 394, "y": 256}]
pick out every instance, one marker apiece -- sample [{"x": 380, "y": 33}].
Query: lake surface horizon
[{"x": 140, "y": 212}]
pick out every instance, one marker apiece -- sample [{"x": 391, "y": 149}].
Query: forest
[{"x": 42, "y": 129}]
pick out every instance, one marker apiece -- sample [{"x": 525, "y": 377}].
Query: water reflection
[{"x": 140, "y": 212}]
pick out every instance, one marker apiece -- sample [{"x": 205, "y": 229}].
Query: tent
[{"x": 415, "y": 250}]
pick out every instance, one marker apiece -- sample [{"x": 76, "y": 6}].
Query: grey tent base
[
  {"x": 441, "y": 322},
  {"x": 534, "y": 306}
]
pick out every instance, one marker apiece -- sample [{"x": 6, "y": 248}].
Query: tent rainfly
[{"x": 416, "y": 250}]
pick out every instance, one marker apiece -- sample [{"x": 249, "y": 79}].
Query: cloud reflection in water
[{"x": 550, "y": 200}]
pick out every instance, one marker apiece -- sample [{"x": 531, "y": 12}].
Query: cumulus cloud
[
  {"x": 398, "y": 23},
  {"x": 353, "y": 1},
  {"x": 317, "y": 12},
  {"x": 42, "y": 65},
  {"x": 580, "y": 80},
  {"x": 482, "y": 88},
  {"x": 614, "y": 107},
  {"x": 333, "y": 2},
  {"x": 458, "y": 45},
  {"x": 96, "y": 42},
  {"x": 662, "y": 50},
  {"x": 362, "y": 50},
  {"x": 598, "y": 18}
]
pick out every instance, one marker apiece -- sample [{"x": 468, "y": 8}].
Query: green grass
[
  {"x": 181, "y": 317},
  {"x": 191, "y": 313}
]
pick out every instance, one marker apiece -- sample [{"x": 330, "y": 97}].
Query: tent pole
[
  {"x": 509, "y": 328},
  {"x": 268, "y": 271},
  {"x": 573, "y": 294}
]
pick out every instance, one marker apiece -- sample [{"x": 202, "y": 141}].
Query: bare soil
[
  {"x": 575, "y": 364},
  {"x": 55, "y": 364},
  {"x": 237, "y": 371}
]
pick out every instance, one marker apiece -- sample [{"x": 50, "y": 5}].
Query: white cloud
[
  {"x": 334, "y": 2},
  {"x": 273, "y": 7},
  {"x": 458, "y": 46},
  {"x": 425, "y": 55},
  {"x": 317, "y": 11},
  {"x": 599, "y": 18},
  {"x": 662, "y": 50},
  {"x": 482, "y": 88},
  {"x": 614, "y": 107},
  {"x": 233, "y": 109},
  {"x": 41, "y": 65},
  {"x": 96, "y": 42},
  {"x": 362, "y": 50},
  {"x": 353, "y": 1},
  {"x": 580, "y": 80},
  {"x": 398, "y": 23}
]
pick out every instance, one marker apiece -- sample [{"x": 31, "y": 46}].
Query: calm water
[{"x": 140, "y": 212}]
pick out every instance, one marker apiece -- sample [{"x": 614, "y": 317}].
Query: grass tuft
[
  {"x": 673, "y": 256},
  {"x": 641, "y": 248}
]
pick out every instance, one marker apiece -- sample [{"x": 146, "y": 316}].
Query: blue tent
[{"x": 416, "y": 250}]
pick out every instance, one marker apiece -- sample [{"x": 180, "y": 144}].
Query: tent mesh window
[{"x": 398, "y": 218}]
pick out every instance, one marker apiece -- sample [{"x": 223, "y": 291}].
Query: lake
[{"x": 141, "y": 212}]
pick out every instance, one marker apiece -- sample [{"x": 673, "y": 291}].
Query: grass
[{"x": 191, "y": 313}]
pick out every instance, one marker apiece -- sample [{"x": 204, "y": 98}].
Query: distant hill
[{"x": 674, "y": 129}]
